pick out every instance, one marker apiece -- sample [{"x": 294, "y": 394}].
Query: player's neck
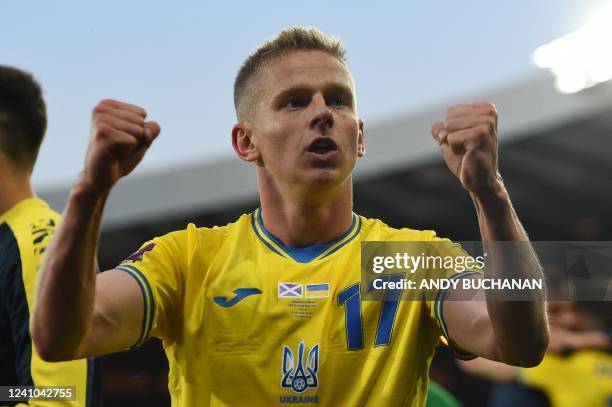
[
  {"x": 14, "y": 188},
  {"x": 307, "y": 219}
]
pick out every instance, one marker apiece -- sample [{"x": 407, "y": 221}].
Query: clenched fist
[
  {"x": 120, "y": 136},
  {"x": 468, "y": 142}
]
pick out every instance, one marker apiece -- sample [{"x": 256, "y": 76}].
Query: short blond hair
[{"x": 290, "y": 39}]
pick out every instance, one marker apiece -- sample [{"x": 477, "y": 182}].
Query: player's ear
[
  {"x": 361, "y": 141},
  {"x": 242, "y": 141}
]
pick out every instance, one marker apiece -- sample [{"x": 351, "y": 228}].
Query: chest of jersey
[{"x": 289, "y": 332}]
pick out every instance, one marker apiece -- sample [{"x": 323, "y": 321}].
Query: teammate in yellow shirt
[
  {"x": 269, "y": 310},
  {"x": 26, "y": 226},
  {"x": 583, "y": 378},
  {"x": 577, "y": 367}
]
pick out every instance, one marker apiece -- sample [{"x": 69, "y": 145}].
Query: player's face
[{"x": 306, "y": 127}]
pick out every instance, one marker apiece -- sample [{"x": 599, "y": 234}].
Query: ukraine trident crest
[{"x": 297, "y": 375}]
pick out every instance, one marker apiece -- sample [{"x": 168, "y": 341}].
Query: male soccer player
[
  {"x": 26, "y": 225},
  {"x": 267, "y": 310}
]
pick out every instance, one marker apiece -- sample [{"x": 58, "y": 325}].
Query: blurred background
[{"x": 545, "y": 64}]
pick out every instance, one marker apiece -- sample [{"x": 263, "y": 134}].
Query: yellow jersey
[
  {"x": 583, "y": 378},
  {"x": 245, "y": 320},
  {"x": 25, "y": 231}
]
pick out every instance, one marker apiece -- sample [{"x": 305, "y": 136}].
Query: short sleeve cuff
[
  {"x": 148, "y": 299},
  {"x": 439, "y": 313}
]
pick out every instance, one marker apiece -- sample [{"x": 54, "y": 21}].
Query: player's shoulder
[
  {"x": 220, "y": 233},
  {"x": 31, "y": 222},
  {"x": 376, "y": 229},
  {"x": 29, "y": 211},
  {"x": 208, "y": 237}
]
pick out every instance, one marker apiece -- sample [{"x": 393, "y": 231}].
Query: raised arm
[
  {"x": 78, "y": 314},
  {"x": 514, "y": 332}
]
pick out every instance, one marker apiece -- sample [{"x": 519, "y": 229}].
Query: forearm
[
  {"x": 66, "y": 288},
  {"x": 498, "y": 222}
]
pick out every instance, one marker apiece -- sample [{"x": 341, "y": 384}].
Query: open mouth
[{"x": 322, "y": 145}]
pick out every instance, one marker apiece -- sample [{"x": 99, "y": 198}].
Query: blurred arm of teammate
[
  {"x": 78, "y": 314},
  {"x": 574, "y": 328},
  {"x": 516, "y": 332}
]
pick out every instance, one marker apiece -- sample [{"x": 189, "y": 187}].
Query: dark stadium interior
[{"x": 560, "y": 182}]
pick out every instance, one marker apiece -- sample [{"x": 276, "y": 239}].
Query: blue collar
[{"x": 308, "y": 253}]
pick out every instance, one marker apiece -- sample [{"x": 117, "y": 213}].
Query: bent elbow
[
  {"x": 541, "y": 345},
  {"x": 46, "y": 347},
  {"x": 532, "y": 355},
  {"x": 532, "y": 359},
  {"x": 43, "y": 347}
]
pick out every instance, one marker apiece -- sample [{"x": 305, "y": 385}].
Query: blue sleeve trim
[
  {"x": 149, "y": 301},
  {"x": 439, "y": 313}
]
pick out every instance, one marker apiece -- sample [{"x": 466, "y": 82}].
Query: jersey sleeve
[
  {"x": 159, "y": 268},
  {"x": 435, "y": 301}
]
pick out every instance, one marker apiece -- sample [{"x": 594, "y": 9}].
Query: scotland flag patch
[{"x": 290, "y": 290}]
